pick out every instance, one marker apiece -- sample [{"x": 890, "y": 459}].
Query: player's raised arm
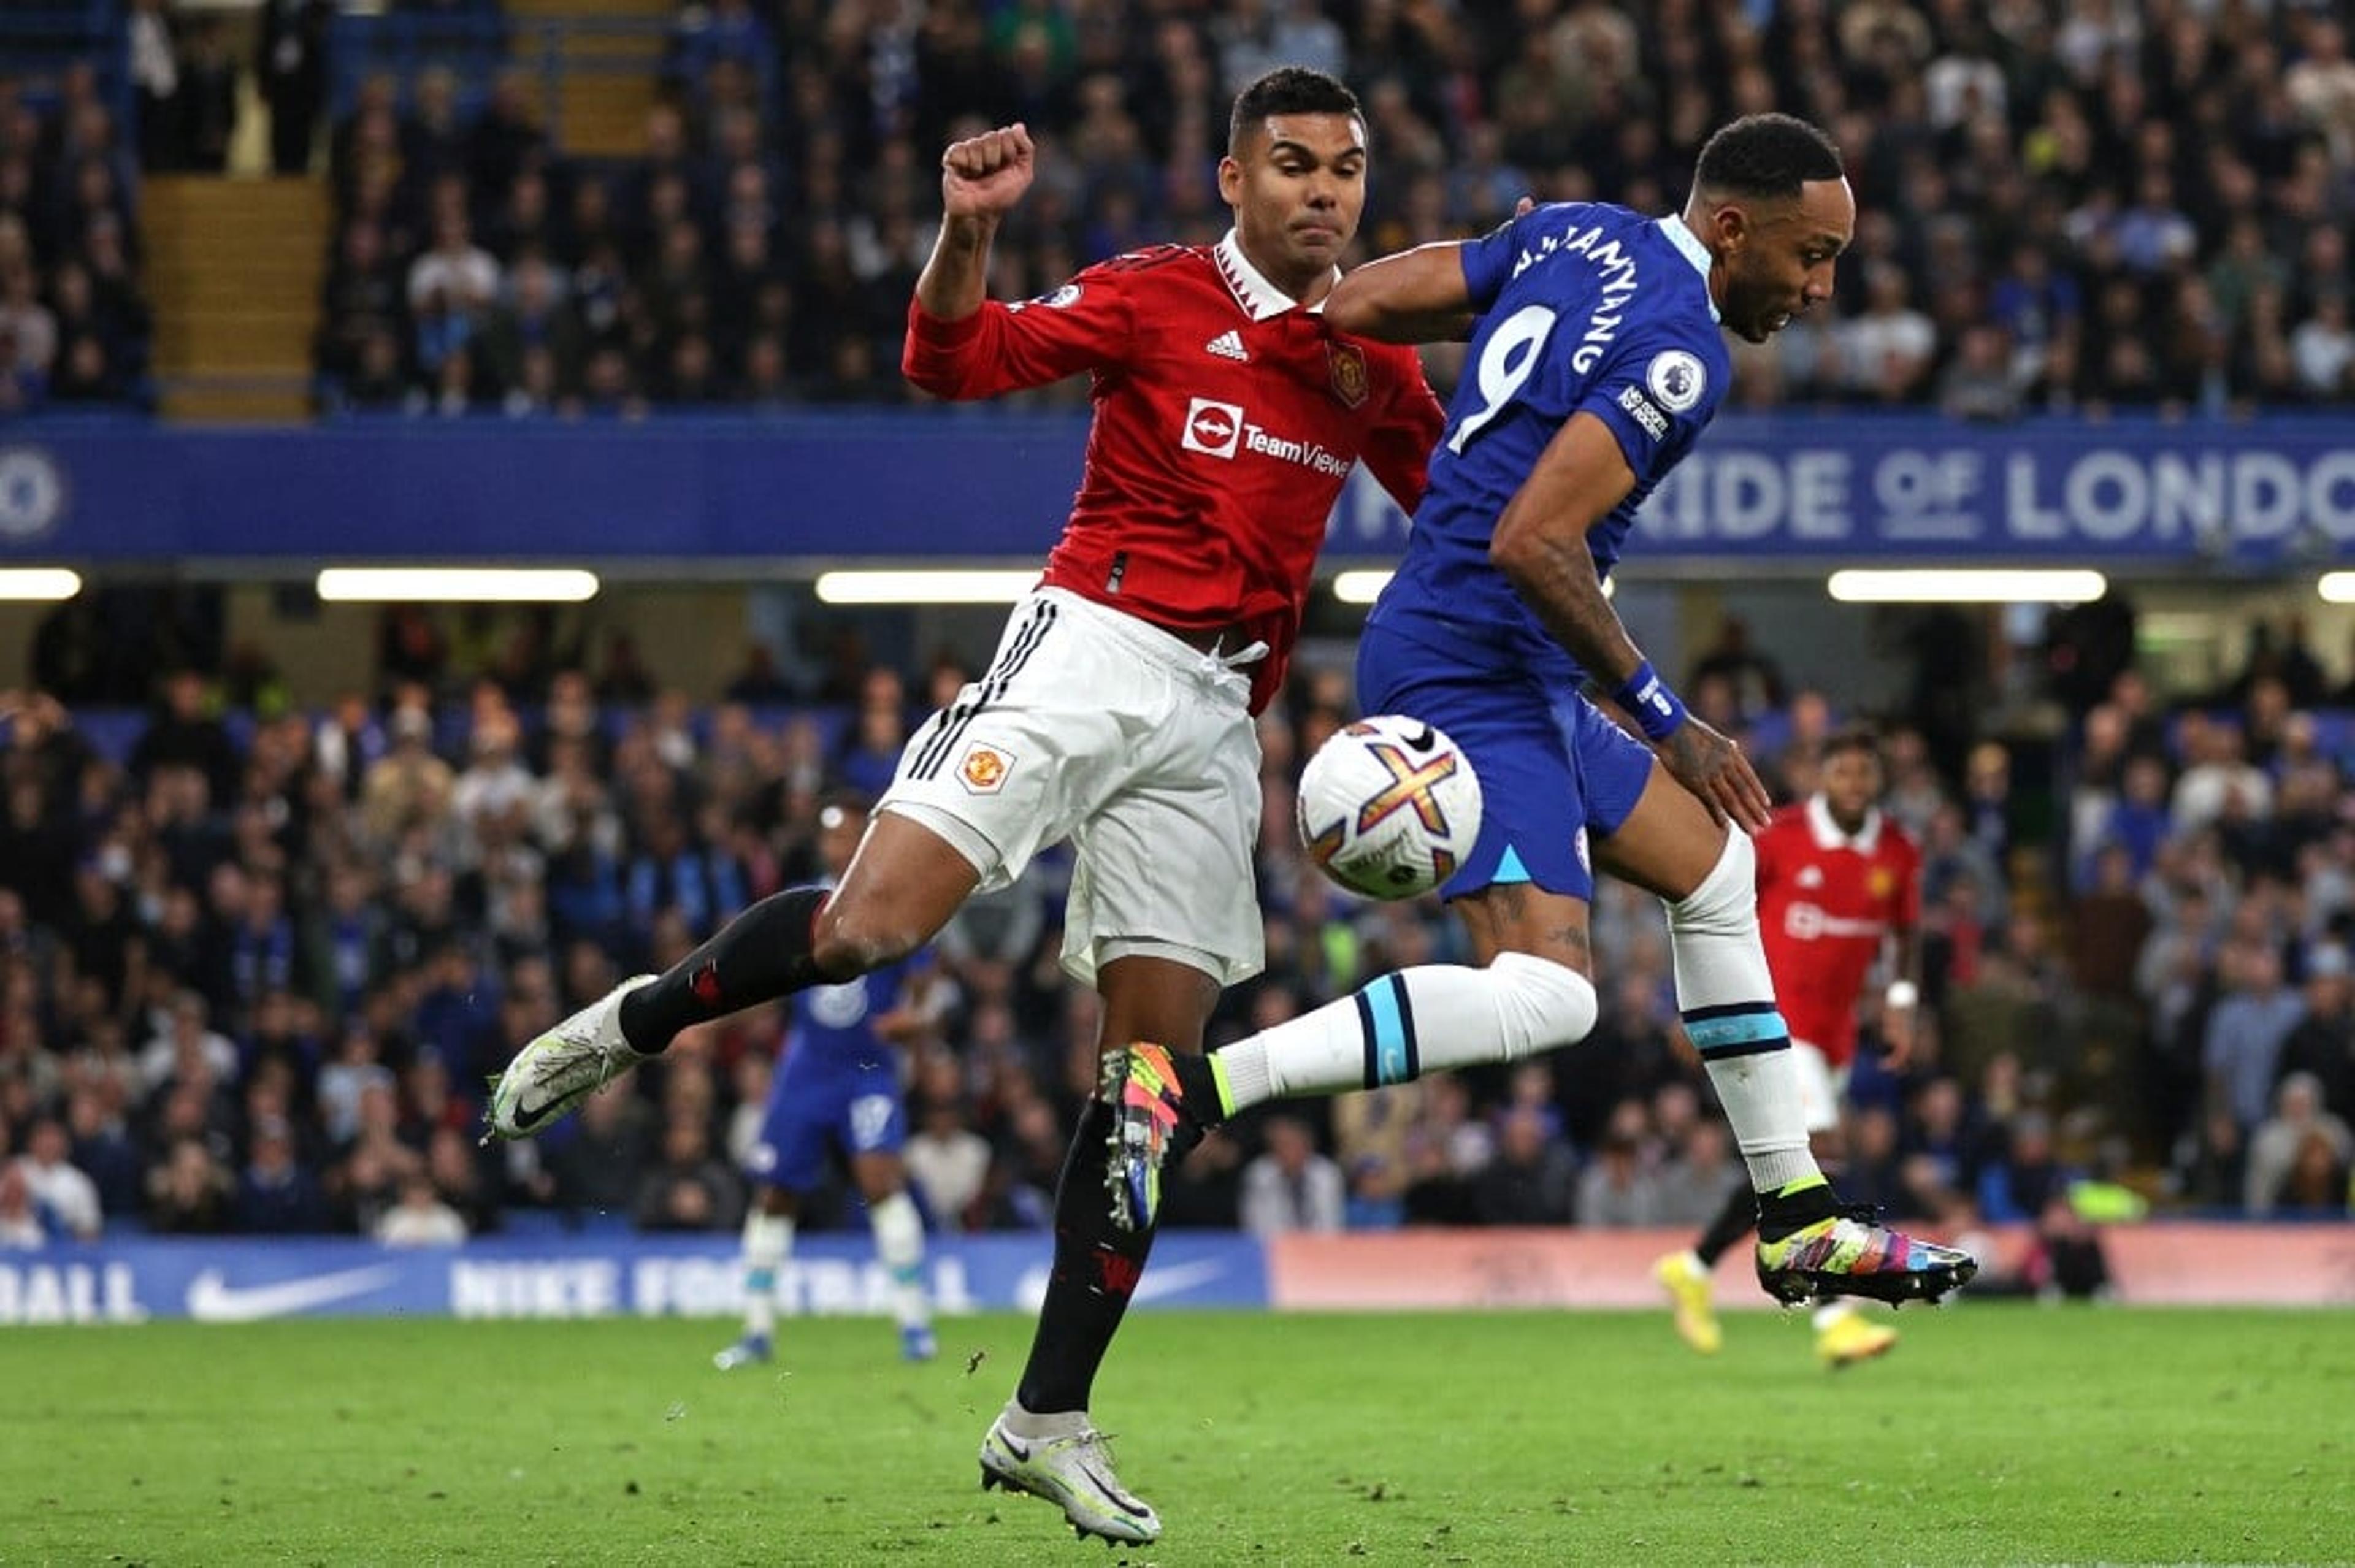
[
  {"x": 1541, "y": 547},
  {"x": 1413, "y": 296},
  {"x": 982, "y": 179},
  {"x": 961, "y": 345}
]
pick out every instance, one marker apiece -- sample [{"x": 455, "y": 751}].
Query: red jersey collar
[
  {"x": 1259, "y": 298},
  {"x": 1827, "y": 833}
]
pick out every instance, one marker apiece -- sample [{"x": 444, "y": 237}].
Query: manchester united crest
[
  {"x": 985, "y": 768},
  {"x": 1347, "y": 362}
]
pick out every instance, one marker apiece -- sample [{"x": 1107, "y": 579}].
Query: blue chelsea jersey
[
  {"x": 833, "y": 1026},
  {"x": 1583, "y": 307}
]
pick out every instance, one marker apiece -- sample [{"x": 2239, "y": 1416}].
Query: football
[{"x": 1389, "y": 807}]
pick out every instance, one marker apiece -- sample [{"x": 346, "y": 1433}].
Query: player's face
[
  {"x": 1779, "y": 256},
  {"x": 1851, "y": 783},
  {"x": 1297, "y": 183}
]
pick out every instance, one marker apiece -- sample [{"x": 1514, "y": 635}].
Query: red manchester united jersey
[
  {"x": 1826, "y": 900},
  {"x": 1226, "y": 419}
]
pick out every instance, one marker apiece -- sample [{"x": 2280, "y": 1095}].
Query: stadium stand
[
  {"x": 2145, "y": 212},
  {"x": 75, "y": 328}
]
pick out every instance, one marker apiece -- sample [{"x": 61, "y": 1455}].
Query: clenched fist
[{"x": 984, "y": 175}]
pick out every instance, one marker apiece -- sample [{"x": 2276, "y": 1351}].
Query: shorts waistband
[
  {"x": 1221, "y": 648},
  {"x": 1207, "y": 639}
]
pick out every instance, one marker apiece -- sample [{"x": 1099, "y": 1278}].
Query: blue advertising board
[
  {"x": 685, "y": 495},
  {"x": 244, "y": 1281}
]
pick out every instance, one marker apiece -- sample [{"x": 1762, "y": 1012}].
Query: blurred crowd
[
  {"x": 74, "y": 323},
  {"x": 257, "y": 966},
  {"x": 2101, "y": 205}
]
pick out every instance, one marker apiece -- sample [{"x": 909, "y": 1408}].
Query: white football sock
[
  {"x": 1728, "y": 1002},
  {"x": 900, "y": 1242},
  {"x": 1518, "y": 1005},
  {"x": 768, "y": 1238},
  {"x": 1031, "y": 1425}
]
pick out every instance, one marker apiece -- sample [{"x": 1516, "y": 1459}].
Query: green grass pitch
[{"x": 1993, "y": 1433}]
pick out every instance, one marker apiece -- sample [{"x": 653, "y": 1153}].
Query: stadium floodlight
[
  {"x": 1976, "y": 585},
  {"x": 2336, "y": 587},
  {"x": 936, "y": 587},
  {"x": 456, "y": 584},
  {"x": 1365, "y": 587},
  {"x": 40, "y": 584}
]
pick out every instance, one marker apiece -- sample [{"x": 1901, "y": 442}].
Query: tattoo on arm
[{"x": 1562, "y": 586}]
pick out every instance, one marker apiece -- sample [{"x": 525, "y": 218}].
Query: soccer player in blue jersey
[
  {"x": 839, "y": 1087},
  {"x": 1596, "y": 360}
]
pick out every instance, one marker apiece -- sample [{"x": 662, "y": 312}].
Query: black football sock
[
  {"x": 1096, "y": 1268},
  {"x": 1735, "y": 1221},
  {"x": 1198, "y": 1090},
  {"x": 762, "y": 955},
  {"x": 1795, "y": 1207}
]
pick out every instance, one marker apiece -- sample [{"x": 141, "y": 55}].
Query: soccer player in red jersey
[
  {"x": 1839, "y": 886},
  {"x": 1118, "y": 711}
]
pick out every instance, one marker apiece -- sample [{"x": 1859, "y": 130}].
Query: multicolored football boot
[
  {"x": 1140, "y": 1085},
  {"x": 1852, "y": 1253}
]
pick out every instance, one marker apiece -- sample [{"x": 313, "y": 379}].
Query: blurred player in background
[
  {"x": 1118, "y": 711},
  {"x": 838, "y": 1085},
  {"x": 1837, "y": 884},
  {"x": 1596, "y": 361}
]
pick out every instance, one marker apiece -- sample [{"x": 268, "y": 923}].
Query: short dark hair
[
  {"x": 1288, "y": 89},
  {"x": 1857, "y": 736},
  {"x": 1766, "y": 155}
]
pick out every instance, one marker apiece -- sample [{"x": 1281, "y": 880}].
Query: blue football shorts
[
  {"x": 855, "y": 1109},
  {"x": 1553, "y": 769}
]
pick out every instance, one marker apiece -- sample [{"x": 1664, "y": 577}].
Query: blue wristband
[{"x": 1649, "y": 701}]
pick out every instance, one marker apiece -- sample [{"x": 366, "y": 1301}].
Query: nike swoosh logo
[
  {"x": 1422, "y": 740},
  {"x": 1110, "y": 1491},
  {"x": 1160, "y": 1282},
  {"x": 527, "y": 1117},
  {"x": 1005, "y": 1440},
  {"x": 212, "y": 1299},
  {"x": 1175, "y": 1280}
]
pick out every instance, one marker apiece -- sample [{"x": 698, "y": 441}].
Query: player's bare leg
[
  {"x": 1706, "y": 874},
  {"x": 1044, "y": 1442},
  {"x": 899, "y": 891}
]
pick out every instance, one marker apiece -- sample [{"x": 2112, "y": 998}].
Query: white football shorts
[
  {"x": 1097, "y": 727},
  {"x": 1821, "y": 1086}
]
